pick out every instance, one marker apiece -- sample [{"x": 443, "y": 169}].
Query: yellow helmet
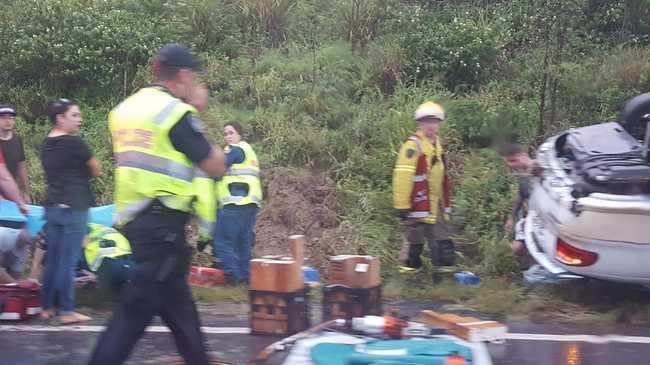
[{"x": 429, "y": 109}]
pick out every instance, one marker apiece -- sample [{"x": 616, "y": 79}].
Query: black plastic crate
[
  {"x": 342, "y": 302},
  {"x": 273, "y": 313}
]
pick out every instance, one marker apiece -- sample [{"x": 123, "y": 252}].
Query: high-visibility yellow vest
[
  {"x": 205, "y": 205},
  {"x": 104, "y": 242},
  {"x": 404, "y": 174},
  {"x": 247, "y": 172},
  {"x": 148, "y": 165}
]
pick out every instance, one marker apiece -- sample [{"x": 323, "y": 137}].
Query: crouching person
[
  {"x": 518, "y": 161},
  {"x": 421, "y": 191},
  {"x": 14, "y": 244},
  {"x": 107, "y": 253}
]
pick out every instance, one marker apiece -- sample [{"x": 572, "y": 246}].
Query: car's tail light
[
  {"x": 455, "y": 360},
  {"x": 573, "y": 256}
]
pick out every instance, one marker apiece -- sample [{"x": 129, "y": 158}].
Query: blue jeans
[
  {"x": 233, "y": 239},
  {"x": 64, "y": 233}
]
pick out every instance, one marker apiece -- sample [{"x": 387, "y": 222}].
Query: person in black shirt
[
  {"x": 69, "y": 166},
  {"x": 12, "y": 148}
]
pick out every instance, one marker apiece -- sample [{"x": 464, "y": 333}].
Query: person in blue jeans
[
  {"x": 69, "y": 166},
  {"x": 239, "y": 194}
]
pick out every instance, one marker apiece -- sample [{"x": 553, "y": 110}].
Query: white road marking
[
  {"x": 597, "y": 339},
  {"x": 577, "y": 338},
  {"x": 155, "y": 329}
]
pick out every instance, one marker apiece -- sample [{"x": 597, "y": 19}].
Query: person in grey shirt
[{"x": 13, "y": 253}]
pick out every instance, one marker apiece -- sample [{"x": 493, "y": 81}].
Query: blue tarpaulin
[{"x": 35, "y": 218}]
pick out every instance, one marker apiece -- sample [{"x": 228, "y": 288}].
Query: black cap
[
  {"x": 177, "y": 56},
  {"x": 7, "y": 110}
]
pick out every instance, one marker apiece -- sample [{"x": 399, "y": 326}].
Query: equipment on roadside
[
  {"x": 354, "y": 271},
  {"x": 343, "y": 302},
  {"x": 468, "y": 328},
  {"x": 279, "y": 300},
  {"x": 382, "y": 340},
  {"x": 20, "y": 301},
  {"x": 280, "y": 274},
  {"x": 353, "y": 287},
  {"x": 205, "y": 276}
]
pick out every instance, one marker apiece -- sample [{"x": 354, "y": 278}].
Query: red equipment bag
[{"x": 20, "y": 301}]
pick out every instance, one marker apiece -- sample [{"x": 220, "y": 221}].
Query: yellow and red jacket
[{"x": 405, "y": 177}]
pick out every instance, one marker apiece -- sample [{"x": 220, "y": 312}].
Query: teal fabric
[
  {"x": 390, "y": 352},
  {"x": 35, "y": 218}
]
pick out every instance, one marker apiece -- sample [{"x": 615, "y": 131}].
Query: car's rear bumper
[{"x": 617, "y": 261}]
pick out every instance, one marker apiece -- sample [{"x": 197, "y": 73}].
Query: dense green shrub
[
  {"x": 458, "y": 49},
  {"x": 480, "y": 125},
  {"x": 483, "y": 202},
  {"x": 82, "y": 47}
]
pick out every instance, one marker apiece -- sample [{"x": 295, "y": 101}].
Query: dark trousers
[
  {"x": 158, "y": 286},
  {"x": 436, "y": 236},
  {"x": 233, "y": 239},
  {"x": 114, "y": 273}
]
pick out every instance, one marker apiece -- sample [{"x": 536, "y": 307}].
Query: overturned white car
[{"x": 589, "y": 211}]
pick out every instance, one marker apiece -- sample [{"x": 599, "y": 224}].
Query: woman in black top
[{"x": 69, "y": 166}]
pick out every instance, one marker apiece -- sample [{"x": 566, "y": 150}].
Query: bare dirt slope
[{"x": 296, "y": 201}]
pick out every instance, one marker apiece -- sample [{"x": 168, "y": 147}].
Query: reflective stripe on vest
[
  {"x": 166, "y": 112},
  {"x": 130, "y": 211},
  {"x": 95, "y": 253},
  {"x": 159, "y": 165},
  {"x": 243, "y": 172},
  {"x": 103, "y": 253},
  {"x": 246, "y": 172},
  {"x": 148, "y": 165},
  {"x": 418, "y": 214},
  {"x": 236, "y": 199}
]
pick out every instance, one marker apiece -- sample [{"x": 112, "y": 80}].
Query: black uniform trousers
[
  {"x": 158, "y": 287},
  {"x": 436, "y": 236}
]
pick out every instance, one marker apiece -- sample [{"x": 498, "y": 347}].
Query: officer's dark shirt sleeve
[
  {"x": 189, "y": 140},
  {"x": 235, "y": 155}
]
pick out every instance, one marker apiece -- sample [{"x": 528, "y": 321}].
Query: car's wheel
[{"x": 636, "y": 115}]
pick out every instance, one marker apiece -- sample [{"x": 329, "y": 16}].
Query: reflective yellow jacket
[{"x": 404, "y": 172}]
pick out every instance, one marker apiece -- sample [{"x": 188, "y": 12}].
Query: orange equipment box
[
  {"x": 354, "y": 271},
  {"x": 280, "y": 275}
]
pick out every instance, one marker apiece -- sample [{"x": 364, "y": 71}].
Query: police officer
[
  {"x": 157, "y": 145},
  {"x": 107, "y": 253}
]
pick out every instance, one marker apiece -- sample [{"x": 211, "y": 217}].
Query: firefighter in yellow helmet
[{"x": 421, "y": 190}]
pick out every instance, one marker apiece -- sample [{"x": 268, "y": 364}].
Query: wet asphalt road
[{"x": 70, "y": 348}]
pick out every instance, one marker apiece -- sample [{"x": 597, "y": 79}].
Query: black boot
[{"x": 446, "y": 253}]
